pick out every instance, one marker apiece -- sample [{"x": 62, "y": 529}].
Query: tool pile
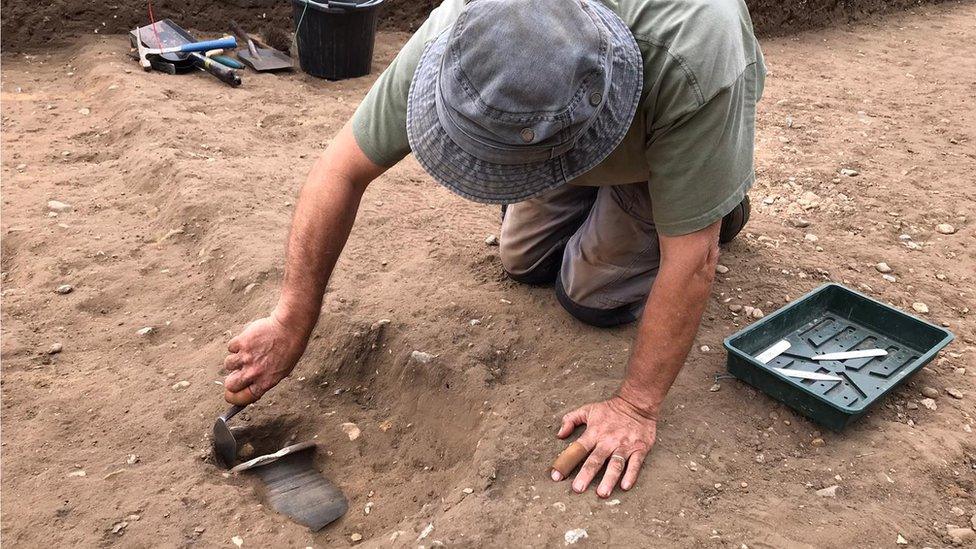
[{"x": 166, "y": 47}]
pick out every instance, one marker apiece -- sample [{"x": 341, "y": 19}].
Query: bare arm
[
  {"x": 267, "y": 350},
  {"x": 623, "y": 428},
  {"x": 671, "y": 317}
]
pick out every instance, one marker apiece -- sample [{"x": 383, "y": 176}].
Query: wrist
[
  {"x": 643, "y": 403},
  {"x": 296, "y": 321}
]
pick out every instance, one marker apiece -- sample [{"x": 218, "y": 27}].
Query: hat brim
[{"x": 492, "y": 183}]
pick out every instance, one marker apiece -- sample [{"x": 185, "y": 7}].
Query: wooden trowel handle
[
  {"x": 240, "y": 32},
  {"x": 232, "y": 411}
]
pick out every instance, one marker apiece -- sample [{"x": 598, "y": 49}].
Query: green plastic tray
[{"x": 830, "y": 319}]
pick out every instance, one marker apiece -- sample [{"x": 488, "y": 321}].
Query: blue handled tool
[{"x": 220, "y": 43}]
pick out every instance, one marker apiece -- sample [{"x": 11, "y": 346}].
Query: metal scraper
[
  {"x": 224, "y": 443},
  {"x": 800, "y": 374}
]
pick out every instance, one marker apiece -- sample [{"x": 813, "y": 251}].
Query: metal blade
[{"x": 800, "y": 374}]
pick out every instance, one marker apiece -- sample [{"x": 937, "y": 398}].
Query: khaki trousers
[{"x": 598, "y": 244}]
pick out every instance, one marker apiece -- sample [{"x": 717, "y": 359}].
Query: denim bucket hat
[{"x": 518, "y": 97}]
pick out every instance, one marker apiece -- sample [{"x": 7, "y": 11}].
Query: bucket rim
[{"x": 339, "y": 6}]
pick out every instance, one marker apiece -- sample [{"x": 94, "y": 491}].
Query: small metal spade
[{"x": 224, "y": 443}]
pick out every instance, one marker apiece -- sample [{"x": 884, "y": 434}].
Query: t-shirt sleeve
[
  {"x": 380, "y": 122},
  {"x": 701, "y": 161}
]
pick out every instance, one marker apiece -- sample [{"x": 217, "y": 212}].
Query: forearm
[
  {"x": 323, "y": 219},
  {"x": 667, "y": 329}
]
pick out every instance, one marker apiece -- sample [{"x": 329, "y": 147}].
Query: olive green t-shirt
[{"x": 692, "y": 137}]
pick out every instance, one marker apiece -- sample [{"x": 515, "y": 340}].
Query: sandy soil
[{"x": 181, "y": 191}]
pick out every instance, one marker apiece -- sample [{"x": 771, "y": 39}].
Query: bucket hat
[{"x": 518, "y": 97}]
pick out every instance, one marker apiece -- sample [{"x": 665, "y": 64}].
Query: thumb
[{"x": 570, "y": 421}]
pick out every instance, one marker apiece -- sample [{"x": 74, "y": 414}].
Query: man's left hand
[{"x": 616, "y": 431}]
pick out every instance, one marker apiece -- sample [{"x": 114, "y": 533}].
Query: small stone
[
  {"x": 64, "y": 289},
  {"x": 900, "y": 540},
  {"x": 692, "y": 466},
  {"x": 58, "y": 206},
  {"x": 356, "y": 537},
  {"x": 250, "y": 288},
  {"x": 84, "y": 111},
  {"x": 612, "y": 503},
  {"x": 119, "y": 527},
  {"x": 426, "y": 531},
  {"x": 911, "y": 405},
  {"x": 385, "y": 425},
  {"x": 883, "y": 267},
  {"x": 351, "y": 429},
  {"x": 368, "y": 508},
  {"x": 954, "y": 393},
  {"x": 920, "y": 307},
  {"x": 421, "y": 357},
  {"x": 246, "y": 451},
  {"x": 828, "y": 492},
  {"x": 930, "y": 392},
  {"x": 491, "y": 240},
  {"x": 929, "y": 403},
  {"x": 810, "y": 237},
  {"x": 889, "y": 278},
  {"x": 945, "y": 228},
  {"x": 818, "y": 443},
  {"x": 55, "y": 348},
  {"x": 468, "y": 490},
  {"x": 715, "y": 388},
  {"x": 559, "y": 506},
  {"x": 21, "y": 167},
  {"x": 238, "y": 541},
  {"x": 474, "y": 322},
  {"x": 972, "y": 521},
  {"x": 721, "y": 269},
  {"x": 148, "y": 330},
  {"x": 78, "y": 473},
  {"x": 961, "y": 536},
  {"x": 180, "y": 385},
  {"x": 958, "y": 511},
  {"x": 131, "y": 459},
  {"x": 849, "y": 172},
  {"x": 705, "y": 348},
  {"x": 800, "y": 223},
  {"x": 735, "y": 307},
  {"x": 572, "y": 536},
  {"x": 757, "y": 313}
]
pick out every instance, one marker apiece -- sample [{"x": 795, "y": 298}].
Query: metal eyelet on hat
[
  {"x": 528, "y": 134},
  {"x": 596, "y": 98}
]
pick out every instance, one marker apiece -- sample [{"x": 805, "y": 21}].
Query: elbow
[{"x": 707, "y": 262}]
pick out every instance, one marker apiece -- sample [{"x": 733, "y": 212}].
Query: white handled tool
[
  {"x": 863, "y": 353},
  {"x": 773, "y": 351},
  {"x": 807, "y": 375}
]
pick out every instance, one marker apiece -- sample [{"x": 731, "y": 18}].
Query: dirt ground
[{"x": 180, "y": 193}]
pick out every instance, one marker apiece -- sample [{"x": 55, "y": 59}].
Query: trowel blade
[{"x": 224, "y": 443}]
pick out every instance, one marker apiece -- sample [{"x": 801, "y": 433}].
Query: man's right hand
[{"x": 263, "y": 354}]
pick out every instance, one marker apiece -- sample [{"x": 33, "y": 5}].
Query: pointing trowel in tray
[{"x": 294, "y": 486}]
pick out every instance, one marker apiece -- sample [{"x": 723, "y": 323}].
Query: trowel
[{"x": 224, "y": 443}]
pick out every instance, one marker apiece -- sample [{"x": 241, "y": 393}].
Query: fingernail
[
  {"x": 602, "y": 494},
  {"x": 577, "y": 488},
  {"x": 625, "y": 486},
  {"x": 556, "y": 476}
]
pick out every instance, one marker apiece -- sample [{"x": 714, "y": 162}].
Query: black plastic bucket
[{"x": 335, "y": 39}]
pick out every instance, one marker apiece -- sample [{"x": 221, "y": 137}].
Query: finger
[
  {"x": 634, "y": 464},
  {"x": 590, "y": 468},
  {"x": 234, "y": 345},
  {"x": 239, "y": 379},
  {"x": 571, "y": 421},
  {"x": 615, "y": 468},
  {"x": 567, "y": 460},
  {"x": 233, "y": 362},
  {"x": 241, "y": 398}
]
